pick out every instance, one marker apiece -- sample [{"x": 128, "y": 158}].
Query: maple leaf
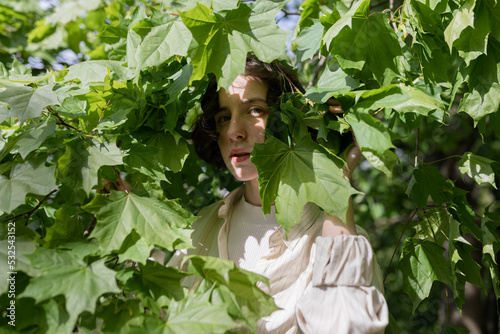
[
  {"x": 293, "y": 176},
  {"x": 221, "y": 40}
]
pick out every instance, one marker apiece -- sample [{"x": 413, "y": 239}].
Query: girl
[{"x": 323, "y": 275}]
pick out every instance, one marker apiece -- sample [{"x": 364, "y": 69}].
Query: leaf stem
[
  {"x": 399, "y": 240},
  {"x": 450, "y": 157}
]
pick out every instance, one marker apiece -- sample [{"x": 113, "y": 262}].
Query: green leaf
[
  {"x": 135, "y": 249},
  {"x": 237, "y": 288},
  {"x": 62, "y": 273},
  {"x": 173, "y": 152},
  {"x": 23, "y": 239},
  {"x": 478, "y": 168},
  {"x": 155, "y": 280},
  {"x": 434, "y": 225},
  {"x": 403, "y": 99},
  {"x": 161, "y": 43},
  {"x": 143, "y": 159},
  {"x": 26, "y": 178},
  {"x": 425, "y": 182},
  {"x": 26, "y": 102},
  {"x": 309, "y": 41},
  {"x": 422, "y": 262},
  {"x": 221, "y": 40},
  {"x": 383, "y": 162},
  {"x": 463, "y": 266},
  {"x": 94, "y": 71},
  {"x": 463, "y": 19},
  {"x": 216, "y": 5},
  {"x": 4, "y": 112},
  {"x": 331, "y": 83},
  {"x": 181, "y": 80},
  {"x": 364, "y": 41},
  {"x": 161, "y": 223},
  {"x": 473, "y": 39},
  {"x": 491, "y": 247},
  {"x": 310, "y": 10},
  {"x": 370, "y": 133},
  {"x": 484, "y": 78},
  {"x": 31, "y": 139},
  {"x": 293, "y": 176},
  {"x": 81, "y": 162},
  {"x": 67, "y": 226},
  {"x": 197, "y": 318}
]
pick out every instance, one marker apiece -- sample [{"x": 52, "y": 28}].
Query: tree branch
[
  {"x": 287, "y": 12},
  {"x": 30, "y": 212}
]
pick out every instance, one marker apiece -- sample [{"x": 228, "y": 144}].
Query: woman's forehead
[{"x": 243, "y": 89}]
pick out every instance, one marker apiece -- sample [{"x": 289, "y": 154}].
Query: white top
[
  {"x": 322, "y": 284},
  {"x": 249, "y": 233}
]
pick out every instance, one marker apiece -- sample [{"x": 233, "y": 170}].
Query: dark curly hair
[{"x": 279, "y": 79}]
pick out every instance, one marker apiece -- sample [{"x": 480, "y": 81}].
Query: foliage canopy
[{"x": 70, "y": 138}]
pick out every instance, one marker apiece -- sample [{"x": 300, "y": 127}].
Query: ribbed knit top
[{"x": 249, "y": 232}]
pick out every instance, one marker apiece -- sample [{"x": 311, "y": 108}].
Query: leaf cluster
[{"x": 97, "y": 167}]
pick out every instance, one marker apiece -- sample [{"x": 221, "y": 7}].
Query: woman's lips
[{"x": 240, "y": 158}]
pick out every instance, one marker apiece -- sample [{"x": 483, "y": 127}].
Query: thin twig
[
  {"x": 397, "y": 245},
  {"x": 313, "y": 81},
  {"x": 61, "y": 121},
  {"x": 30, "y": 212},
  {"x": 450, "y": 157},
  {"x": 90, "y": 227},
  {"x": 287, "y": 12},
  {"x": 416, "y": 147}
]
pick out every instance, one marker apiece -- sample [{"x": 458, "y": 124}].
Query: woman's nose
[{"x": 236, "y": 129}]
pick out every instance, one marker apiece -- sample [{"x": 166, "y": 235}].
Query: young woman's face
[{"x": 240, "y": 123}]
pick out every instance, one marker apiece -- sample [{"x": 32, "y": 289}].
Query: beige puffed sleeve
[{"x": 341, "y": 297}]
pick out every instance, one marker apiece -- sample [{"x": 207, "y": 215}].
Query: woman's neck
[{"x": 252, "y": 195}]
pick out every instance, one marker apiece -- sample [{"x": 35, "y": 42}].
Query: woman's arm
[{"x": 334, "y": 226}]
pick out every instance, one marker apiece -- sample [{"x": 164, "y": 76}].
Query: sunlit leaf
[
  {"x": 221, "y": 40},
  {"x": 64, "y": 274},
  {"x": 26, "y": 178},
  {"x": 26, "y": 102},
  {"x": 162, "y": 223},
  {"x": 293, "y": 176},
  {"x": 478, "y": 168},
  {"x": 422, "y": 263}
]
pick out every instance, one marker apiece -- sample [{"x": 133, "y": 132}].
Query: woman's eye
[
  {"x": 223, "y": 118},
  {"x": 256, "y": 111}
]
